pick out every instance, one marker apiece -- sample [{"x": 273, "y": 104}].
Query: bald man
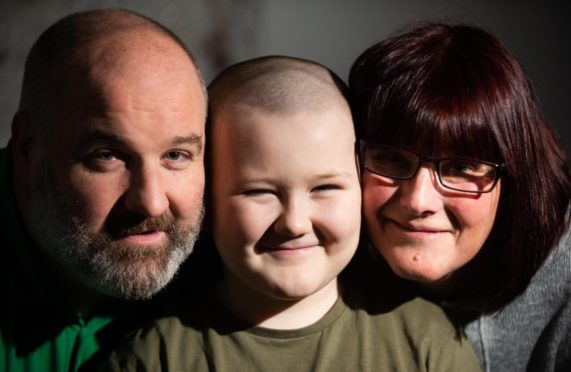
[{"x": 101, "y": 184}]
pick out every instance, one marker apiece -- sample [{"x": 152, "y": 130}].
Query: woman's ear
[{"x": 358, "y": 161}]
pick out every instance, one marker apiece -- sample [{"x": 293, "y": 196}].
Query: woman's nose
[{"x": 420, "y": 195}]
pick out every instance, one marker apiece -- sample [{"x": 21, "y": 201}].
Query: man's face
[{"x": 117, "y": 199}]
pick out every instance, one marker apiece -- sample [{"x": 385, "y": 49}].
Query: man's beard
[{"x": 99, "y": 260}]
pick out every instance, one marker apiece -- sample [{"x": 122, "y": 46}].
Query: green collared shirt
[{"x": 39, "y": 330}]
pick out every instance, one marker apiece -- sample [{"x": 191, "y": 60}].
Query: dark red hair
[{"x": 456, "y": 90}]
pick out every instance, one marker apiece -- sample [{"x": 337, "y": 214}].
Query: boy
[{"x": 285, "y": 216}]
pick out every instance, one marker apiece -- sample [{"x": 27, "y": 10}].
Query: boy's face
[{"x": 286, "y": 199}]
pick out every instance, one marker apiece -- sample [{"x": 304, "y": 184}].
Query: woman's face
[{"x": 425, "y": 231}]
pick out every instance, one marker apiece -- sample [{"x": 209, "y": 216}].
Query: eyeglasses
[{"x": 466, "y": 175}]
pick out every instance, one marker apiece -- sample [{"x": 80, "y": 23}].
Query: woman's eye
[
  {"x": 389, "y": 158},
  {"x": 393, "y": 157},
  {"x": 461, "y": 166}
]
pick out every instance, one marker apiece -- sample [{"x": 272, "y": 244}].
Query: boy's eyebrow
[
  {"x": 317, "y": 177},
  {"x": 332, "y": 174}
]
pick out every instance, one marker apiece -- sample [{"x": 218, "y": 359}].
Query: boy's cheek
[
  {"x": 245, "y": 220},
  {"x": 342, "y": 216}
]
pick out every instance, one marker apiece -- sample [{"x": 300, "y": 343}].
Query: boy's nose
[{"x": 294, "y": 220}]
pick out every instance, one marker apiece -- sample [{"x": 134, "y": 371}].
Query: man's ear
[{"x": 22, "y": 141}]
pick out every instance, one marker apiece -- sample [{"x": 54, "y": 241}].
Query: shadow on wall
[
  {"x": 333, "y": 32},
  {"x": 219, "y": 32}
]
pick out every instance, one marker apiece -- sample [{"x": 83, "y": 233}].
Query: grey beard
[
  {"x": 121, "y": 271},
  {"x": 115, "y": 270}
]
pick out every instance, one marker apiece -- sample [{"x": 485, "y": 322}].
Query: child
[{"x": 285, "y": 216}]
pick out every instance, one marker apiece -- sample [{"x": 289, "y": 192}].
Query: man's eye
[
  {"x": 175, "y": 155},
  {"x": 176, "y": 160},
  {"x": 104, "y": 156},
  {"x": 103, "y": 160}
]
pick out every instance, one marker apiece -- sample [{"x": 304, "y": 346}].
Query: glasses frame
[{"x": 500, "y": 168}]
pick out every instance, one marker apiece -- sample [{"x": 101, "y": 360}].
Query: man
[{"x": 101, "y": 186}]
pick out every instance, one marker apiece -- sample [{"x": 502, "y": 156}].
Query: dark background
[{"x": 332, "y": 32}]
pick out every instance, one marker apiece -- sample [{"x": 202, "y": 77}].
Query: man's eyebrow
[
  {"x": 193, "y": 139},
  {"x": 97, "y": 135}
]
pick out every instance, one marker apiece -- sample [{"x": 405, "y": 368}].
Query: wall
[{"x": 332, "y": 32}]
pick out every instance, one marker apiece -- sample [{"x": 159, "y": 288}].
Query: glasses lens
[
  {"x": 389, "y": 161},
  {"x": 467, "y": 175}
]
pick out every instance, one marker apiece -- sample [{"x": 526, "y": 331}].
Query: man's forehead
[
  {"x": 131, "y": 81},
  {"x": 140, "y": 46},
  {"x": 116, "y": 118}
]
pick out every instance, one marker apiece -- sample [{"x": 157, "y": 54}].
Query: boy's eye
[
  {"x": 258, "y": 192},
  {"x": 327, "y": 187}
]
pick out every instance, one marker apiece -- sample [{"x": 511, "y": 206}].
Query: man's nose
[{"x": 146, "y": 193}]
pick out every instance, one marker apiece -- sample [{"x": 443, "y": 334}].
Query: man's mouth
[{"x": 146, "y": 237}]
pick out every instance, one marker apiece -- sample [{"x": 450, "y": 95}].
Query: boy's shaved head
[{"x": 277, "y": 84}]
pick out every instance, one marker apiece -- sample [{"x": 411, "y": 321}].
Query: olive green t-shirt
[{"x": 203, "y": 335}]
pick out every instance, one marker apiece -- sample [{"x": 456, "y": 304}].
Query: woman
[{"x": 466, "y": 188}]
